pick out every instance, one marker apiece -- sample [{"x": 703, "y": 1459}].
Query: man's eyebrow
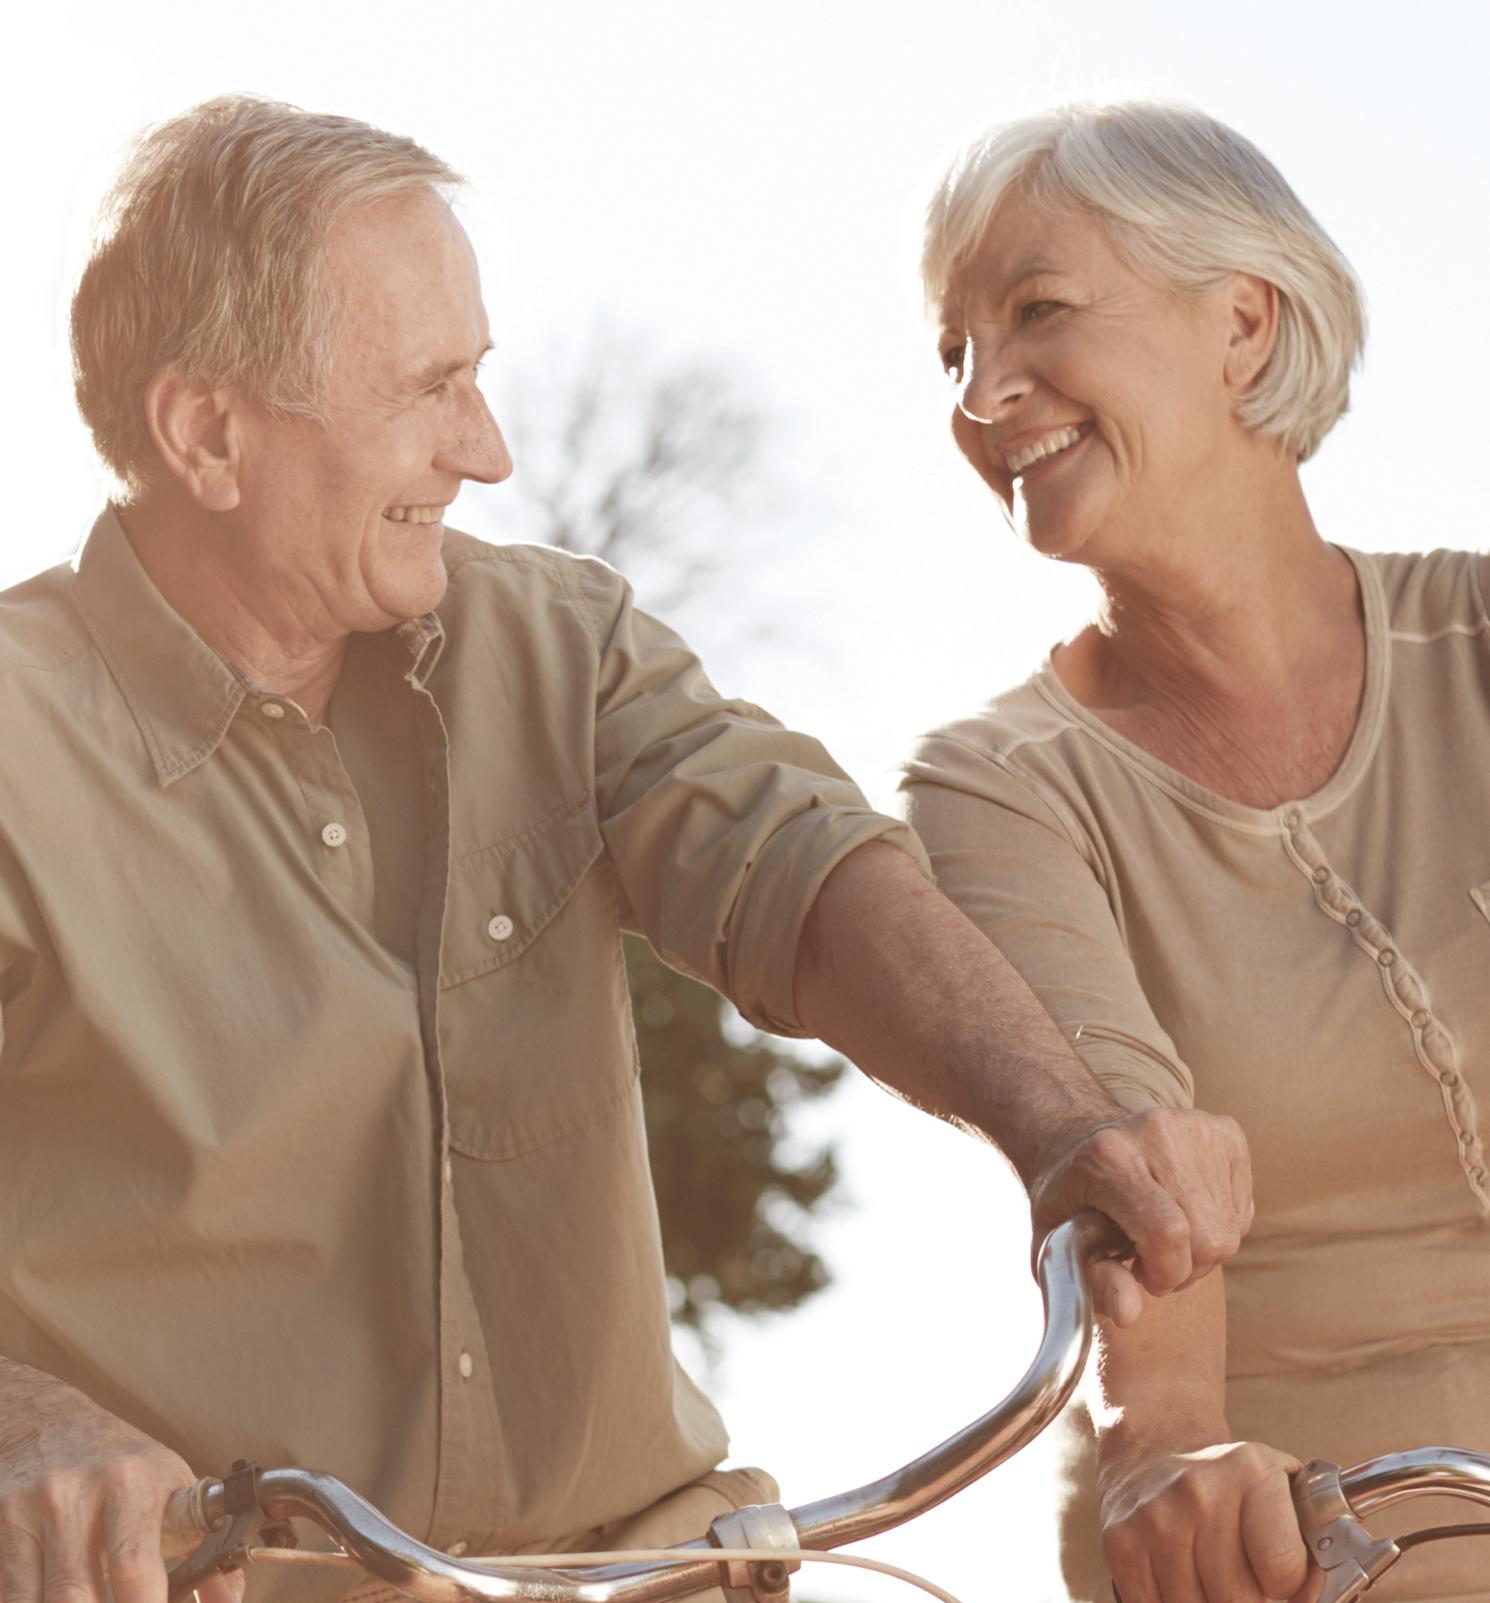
[{"x": 434, "y": 372}]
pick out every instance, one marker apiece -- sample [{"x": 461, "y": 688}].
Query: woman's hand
[{"x": 1208, "y": 1524}]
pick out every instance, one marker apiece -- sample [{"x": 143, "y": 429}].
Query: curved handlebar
[
  {"x": 434, "y": 1577},
  {"x": 231, "y": 1513}
]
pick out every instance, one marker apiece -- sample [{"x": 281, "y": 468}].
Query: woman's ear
[
  {"x": 1254, "y": 330},
  {"x": 197, "y": 431}
]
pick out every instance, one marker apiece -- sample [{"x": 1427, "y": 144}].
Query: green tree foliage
[{"x": 734, "y": 1199}]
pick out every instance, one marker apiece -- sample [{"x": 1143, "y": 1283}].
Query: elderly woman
[{"x": 1234, "y": 832}]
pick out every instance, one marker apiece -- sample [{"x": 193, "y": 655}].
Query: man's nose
[
  {"x": 476, "y": 449},
  {"x": 994, "y": 383}
]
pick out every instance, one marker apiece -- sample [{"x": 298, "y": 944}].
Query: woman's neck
[
  {"x": 1229, "y": 611},
  {"x": 1235, "y": 655}
]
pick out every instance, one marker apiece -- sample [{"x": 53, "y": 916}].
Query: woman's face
[{"x": 1097, "y": 394}]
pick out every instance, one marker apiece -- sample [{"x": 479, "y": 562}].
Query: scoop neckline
[{"x": 1293, "y": 811}]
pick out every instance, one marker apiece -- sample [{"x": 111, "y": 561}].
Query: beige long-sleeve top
[
  {"x": 320, "y": 1130},
  {"x": 1320, "y": 971}
]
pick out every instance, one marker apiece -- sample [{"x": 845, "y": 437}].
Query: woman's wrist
[{"x": 1159, "y": 1422}]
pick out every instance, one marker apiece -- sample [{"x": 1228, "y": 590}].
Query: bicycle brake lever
[
  {"x": 1351, "y": 1558},
  {"x": 226, "y": 1546}
]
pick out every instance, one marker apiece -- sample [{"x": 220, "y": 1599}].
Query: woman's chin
[{"x": 1057, "y": 539}]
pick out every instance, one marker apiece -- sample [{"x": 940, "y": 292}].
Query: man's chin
[{"x": 411, "y": 594}]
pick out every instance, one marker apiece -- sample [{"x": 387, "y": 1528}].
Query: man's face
[{"x": 341, "y": 522}]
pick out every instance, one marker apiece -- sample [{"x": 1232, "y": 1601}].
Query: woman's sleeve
[{"x": 1018, "y": 867}]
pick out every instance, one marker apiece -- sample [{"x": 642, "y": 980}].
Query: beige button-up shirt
[{"x": 320, "y": 1130}]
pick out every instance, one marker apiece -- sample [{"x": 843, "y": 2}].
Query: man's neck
[{"x": 271, "y": 644}]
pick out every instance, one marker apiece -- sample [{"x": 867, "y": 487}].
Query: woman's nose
[{"x": 992, "y": 384}]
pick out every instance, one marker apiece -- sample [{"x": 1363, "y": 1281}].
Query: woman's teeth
[
  {"x": 414, "y": 514},
  {"x": 1027, "y": 455}
]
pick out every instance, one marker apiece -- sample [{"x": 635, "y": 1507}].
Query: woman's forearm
[
  {"x": 1187, "y": 1513},
  {"x": 1163, "y": 1381}
]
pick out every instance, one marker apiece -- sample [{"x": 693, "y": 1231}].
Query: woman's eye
[
  {"x": 952, "y": 359},
  {"x": 1037, "y": 311}
]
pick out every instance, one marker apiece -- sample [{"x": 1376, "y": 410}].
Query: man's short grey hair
[
  {"x": 210, "y": 257},
  {"x": 1189, "y": 202}
]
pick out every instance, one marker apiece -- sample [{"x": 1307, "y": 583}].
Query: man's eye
[{"x": 952, "y": 360}]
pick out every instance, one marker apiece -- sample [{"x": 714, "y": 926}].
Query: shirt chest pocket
[{"x": 535, "y": 1029}]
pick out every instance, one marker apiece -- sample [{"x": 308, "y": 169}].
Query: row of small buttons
[{"x": 1406, "y": 987}]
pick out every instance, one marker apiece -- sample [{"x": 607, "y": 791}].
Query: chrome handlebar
[
  {"x": 250, "y": 1508},
  {"x": 229, "y": 1511}
]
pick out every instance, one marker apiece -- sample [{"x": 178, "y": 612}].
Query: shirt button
[
  {"x": 335, "y": 834},
  {"x": 1420, "y": 1021},
  {"x": 1353, "y": 917},
  {"x": 499, "y": 927},
  {"x": 467, "y": 1366},
  {"x": 1321, "y": 874},
  {"x": 456, "y": 1549},
  {"x": 1466, "y": 1140},
  {"x": 1294, "y": 819},
  {"x": 272, "y": 709},
  {"x": 1450, "y": 1079},
  {"x": 1387, "y": 959}
]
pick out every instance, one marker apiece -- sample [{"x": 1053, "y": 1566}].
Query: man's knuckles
[{"x": 67, "y": 1586}]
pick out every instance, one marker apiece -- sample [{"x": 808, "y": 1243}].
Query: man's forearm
[{"x": 891, "y": 974}]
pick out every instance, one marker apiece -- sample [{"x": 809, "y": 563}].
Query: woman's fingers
[
  {"x": 1270, "y": 1533},
  {"x": 1225, "y": 1574},
  {"x": 1178, "y": 1578},
  {"x": 1215, "y": 1525},
  {"x": 1133, "y": 1581}
]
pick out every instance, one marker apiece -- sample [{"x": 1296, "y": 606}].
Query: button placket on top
[
  {"x": 1433, "y": 1043},
  {"x": 469, "y": 1488},
  {"x": 339, "y": 844}
]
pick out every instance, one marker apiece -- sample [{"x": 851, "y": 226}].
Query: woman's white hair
[
  {"x": 1189, "y": 202},
  {"x": 209, "y": 260}
]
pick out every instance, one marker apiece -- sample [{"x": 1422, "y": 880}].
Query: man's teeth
[
  {"x": 414, "y": 514},
  {"x": 1027, "y": 455}
]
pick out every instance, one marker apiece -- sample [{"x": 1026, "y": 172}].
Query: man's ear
[
  {"x": 198, "y": 431},
  {"x": 1254, "y": 330}
]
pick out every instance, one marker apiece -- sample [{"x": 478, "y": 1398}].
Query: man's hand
[
  {"x": 81, "y": 1499},
  {"x": 894, "y": 977},
  {"x": 1212, "y": 1525},
  {"x": 1179, "y": 1185}
]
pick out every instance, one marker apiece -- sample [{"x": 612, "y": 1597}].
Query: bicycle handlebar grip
[{"x": 185, "y": 1520}]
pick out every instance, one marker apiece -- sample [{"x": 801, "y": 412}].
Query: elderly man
[{"x": 321, "y": 1138}]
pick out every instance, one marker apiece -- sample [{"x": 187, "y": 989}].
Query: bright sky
[{"x": 742, "y": 181}]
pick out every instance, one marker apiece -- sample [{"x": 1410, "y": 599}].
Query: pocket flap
[{"x": 503, "y": 895}]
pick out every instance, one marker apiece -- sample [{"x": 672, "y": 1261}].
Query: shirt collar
[
  {"x": 183, "y": 696},
  {"x": 181, "y": 693}
]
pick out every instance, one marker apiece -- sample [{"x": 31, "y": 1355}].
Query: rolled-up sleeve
[
  {"x": 722, "y": 825},
  {"x": 1006, "y": 856}
]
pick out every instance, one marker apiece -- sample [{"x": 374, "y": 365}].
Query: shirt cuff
[{"x": 779, "y": 890}]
